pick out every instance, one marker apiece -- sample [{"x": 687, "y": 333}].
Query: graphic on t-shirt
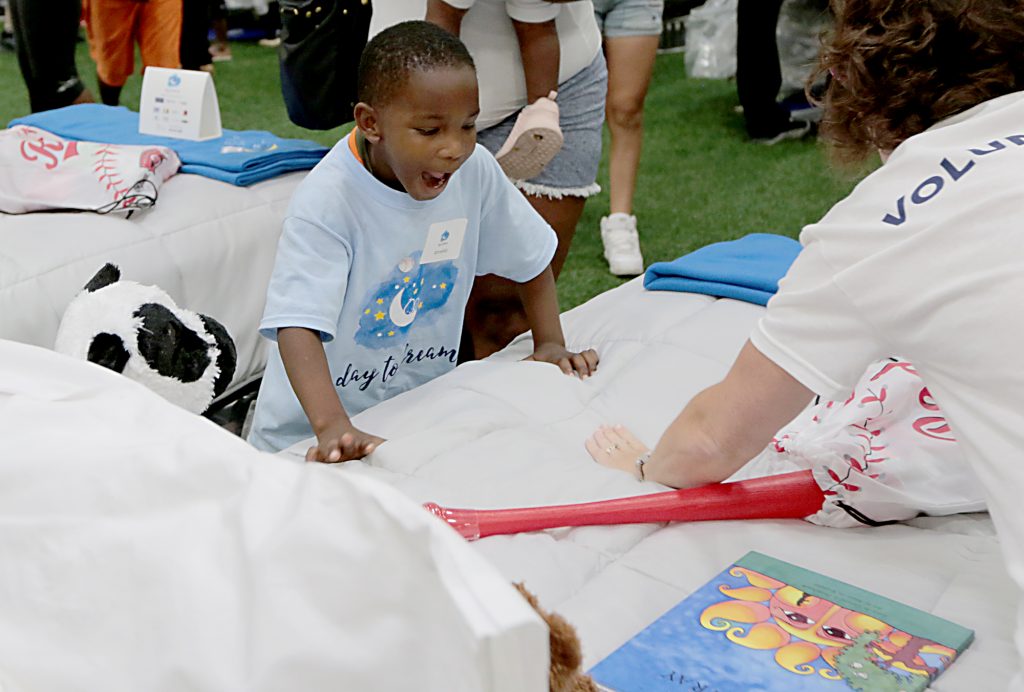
[{"x": 409, "y": 294}]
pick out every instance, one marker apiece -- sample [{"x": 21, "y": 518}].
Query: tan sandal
[{"x": 535, "y": 139}]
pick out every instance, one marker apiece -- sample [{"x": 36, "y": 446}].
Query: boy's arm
[
  {"x": 541, "y": 304},
  {"x": 304, "y": 360}
]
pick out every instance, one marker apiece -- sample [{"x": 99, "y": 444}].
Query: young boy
[
  {"x": 536, "y": 136},
  {"x": 381, "y": 244}
]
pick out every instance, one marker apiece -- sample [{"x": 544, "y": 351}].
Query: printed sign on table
[{"x": 179, "y": 103}]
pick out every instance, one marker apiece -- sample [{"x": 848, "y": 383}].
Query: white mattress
[
  {"x": 209, "y": 244},
  {"x": 503, "y": 433}
]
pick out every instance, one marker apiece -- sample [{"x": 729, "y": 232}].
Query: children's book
[{"x": 764, "y": 625}]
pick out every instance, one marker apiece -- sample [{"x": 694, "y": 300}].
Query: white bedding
[
  {"x": 145, "y": 548},
  {"x": 503, "y": 433},
  {"x": 209, "y": 244}
]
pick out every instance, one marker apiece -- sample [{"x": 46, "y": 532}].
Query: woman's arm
[{"x": 720, "y": 430}]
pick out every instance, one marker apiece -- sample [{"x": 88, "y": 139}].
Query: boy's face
[{"x": 425, "y": 132}]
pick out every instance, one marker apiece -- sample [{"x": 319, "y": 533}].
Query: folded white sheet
[{"x": 147, "y": 549}]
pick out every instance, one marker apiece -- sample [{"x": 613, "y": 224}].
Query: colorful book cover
[{"x": 764, "y": 625}]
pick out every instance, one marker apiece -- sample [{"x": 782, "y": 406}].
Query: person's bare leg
[
  {"x": 445, "y": 16},
  {"x": 630, "y": 64},
  {"x": 538, "y": 45},
  {"x": 220, "y": 30},
  {"x": 221, "y": 48},
  {"x": 84, "y": 97},
  {"x": 494, "y": 316},
  {"x": 494, "y": 313},
  {"x": 562, "y": 215}
]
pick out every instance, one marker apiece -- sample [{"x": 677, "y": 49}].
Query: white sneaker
[{"x": 622, "y": 245}]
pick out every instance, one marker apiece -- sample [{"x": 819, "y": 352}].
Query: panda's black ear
[
  {"x": 108, "y": 350},
  {"x": 227, "y": 361},
  {"x": 107, "y": 275}
]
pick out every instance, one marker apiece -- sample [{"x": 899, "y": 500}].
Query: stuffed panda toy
[{"x": 187, "y": 358}]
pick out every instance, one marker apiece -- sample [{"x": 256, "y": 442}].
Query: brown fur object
[{"x": 566, "y": 654}]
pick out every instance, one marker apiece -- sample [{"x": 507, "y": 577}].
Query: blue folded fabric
[
  {"x": 747, "y": 269},
  {"x": 239, "y": 157}
]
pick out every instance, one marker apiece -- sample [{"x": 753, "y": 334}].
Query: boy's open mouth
[{"x": 436, "y": 180}]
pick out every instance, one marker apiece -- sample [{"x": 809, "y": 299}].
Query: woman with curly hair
[{"x": 925, "y": 258}]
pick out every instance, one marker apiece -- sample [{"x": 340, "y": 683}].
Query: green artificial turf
[{"x": 700, "y": 180}]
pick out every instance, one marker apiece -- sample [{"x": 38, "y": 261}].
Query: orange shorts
[{"x": 113, "y": 27}]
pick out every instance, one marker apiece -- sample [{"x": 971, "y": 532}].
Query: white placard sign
[{"x": 179, "y": 103}]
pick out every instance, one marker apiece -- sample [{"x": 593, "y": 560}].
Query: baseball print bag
[
  {"x": 882, "y": 455},
  {"x": 40, "y": 171}
]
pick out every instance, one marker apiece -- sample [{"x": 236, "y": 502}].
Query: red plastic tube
[{"x": 786, "y": 496}]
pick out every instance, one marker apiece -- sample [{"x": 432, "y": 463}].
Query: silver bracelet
[{"x": 640, "y": 461}]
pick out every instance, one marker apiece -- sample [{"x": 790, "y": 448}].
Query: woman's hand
[{"x": 617, "y": 448}]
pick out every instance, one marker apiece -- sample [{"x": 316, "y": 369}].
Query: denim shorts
[
  {"x": 617, "y": 18},
  {"x": 573, "y": 171}
]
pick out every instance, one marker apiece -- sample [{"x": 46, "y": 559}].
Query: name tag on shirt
[{"x": 444, "y": 241}]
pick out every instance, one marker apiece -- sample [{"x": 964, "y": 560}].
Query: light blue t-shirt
[{"x": 385, "y": 279}]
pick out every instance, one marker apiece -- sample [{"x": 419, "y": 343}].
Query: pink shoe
[{"x": 534, "y": 140}]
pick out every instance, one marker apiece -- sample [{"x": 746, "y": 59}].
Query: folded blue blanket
[
  {"x": 747, "y": 269},
  {"x": 239, "y": 157}
]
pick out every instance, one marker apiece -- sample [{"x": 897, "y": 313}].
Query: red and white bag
[
  {"x": 884, "y": 454},
  {"x": 40, "y": 171}
]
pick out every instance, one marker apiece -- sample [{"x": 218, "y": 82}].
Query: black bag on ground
[{"x": 321, "y": 41}]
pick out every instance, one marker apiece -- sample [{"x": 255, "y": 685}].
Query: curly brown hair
[{"x": 900, "y": 66}]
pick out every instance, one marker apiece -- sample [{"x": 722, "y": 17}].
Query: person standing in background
[
  {"x": 759, "y": 74},
  {"x": 221, "y": 48},
  {"x": 536, "y": 136},
  {"x": 195, "y": 32},
  {"x": 631, "y": 29},
  {"x": 45, "y": 35},
  {"x": 114, "y": 26}
]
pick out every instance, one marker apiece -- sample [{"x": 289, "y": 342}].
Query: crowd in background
[{"x": 167, "y": 33}]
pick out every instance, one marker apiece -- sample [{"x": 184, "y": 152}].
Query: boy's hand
[
  {"x": 342, "y": 443},
  {"x": 583, "y": 364}
]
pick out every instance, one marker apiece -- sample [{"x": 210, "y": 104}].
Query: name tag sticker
[{"x": 444, "y": 241}]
